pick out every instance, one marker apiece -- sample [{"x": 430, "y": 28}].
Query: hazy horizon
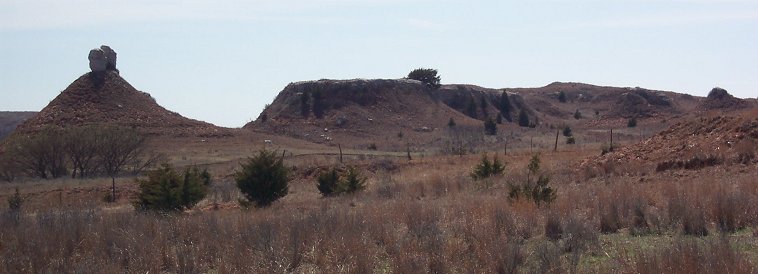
[{"x": 222, "y": 61}]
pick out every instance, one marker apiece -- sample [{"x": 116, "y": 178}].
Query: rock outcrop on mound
[
  {"x": 105, "y": 98},
  {"x": 102, "y": 97},
  {"x": 720, "y": 99},
  {"x": 102, "y": 59},
  {"x": 642, "y": 103}
]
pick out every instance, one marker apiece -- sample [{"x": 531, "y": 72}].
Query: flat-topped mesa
[{"x": 102, "y": 59}]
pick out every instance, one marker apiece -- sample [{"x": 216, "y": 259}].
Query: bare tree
[
  {"x": 42, "y": 154},
  {"x": 463, "y": 139},
  {"x": 9, "y": 168},
  {"x": 119, "y": 148},
  {"x": 82, "y": 146}
]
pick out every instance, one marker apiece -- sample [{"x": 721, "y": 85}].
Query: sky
[{"x": 223, "y": 61}]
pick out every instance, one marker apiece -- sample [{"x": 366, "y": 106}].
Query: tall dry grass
[{"x": 417, "y": 217}]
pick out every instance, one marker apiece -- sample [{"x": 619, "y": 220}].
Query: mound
[
  {"x": 717, "y": 139},
  {"x": 612, "y": 102},
  {"x": 720, "y": 99},
  {"x": 9, "y": 120},
  {"x": 360, "y": 112},
  {"x": 104, "y": 98}
]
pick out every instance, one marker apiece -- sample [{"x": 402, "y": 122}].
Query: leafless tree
[
  {"x": 9, "y": 168},
  {"x": 82, "y": 146},
  {"x": 42, "y": 154},
  {"x": 119, "y": 148}
]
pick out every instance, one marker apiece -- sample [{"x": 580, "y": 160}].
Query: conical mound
[{"x": 104, "y": 98}]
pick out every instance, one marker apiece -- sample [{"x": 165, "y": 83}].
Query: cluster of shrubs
[
  {"x": 485, "y": 168},
  {"x": 534, "y": 190},
  {"x": 335, "y": 181},
  {"x": 569, "y": 134},
  {"x": 167, "y": 190},
  {"x": 696, "y": 162},
  {"x": 262, "y": 179},
  {"x": 537, "y": 190}
]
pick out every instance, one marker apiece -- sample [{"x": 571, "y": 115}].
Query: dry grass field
[{"x": 424, "y": 215}]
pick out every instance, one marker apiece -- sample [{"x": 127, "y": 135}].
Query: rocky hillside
[
  {"x": 480, "y": 103},
  {"x": 360, "y": 112},
  {"x": 9, "y": 120},
  {"x": 692, "y": 144},
  {"x": 720, "y": 99},
  {"x": 610, "y": 102},
  {"x": 104, "y": 98},
  {"x": 364, "y": 112}
]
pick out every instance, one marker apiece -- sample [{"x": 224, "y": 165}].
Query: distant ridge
[{"x": 9, "y": 120}]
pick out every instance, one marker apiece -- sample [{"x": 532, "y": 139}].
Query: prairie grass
[{"x": 418, "y": 216}]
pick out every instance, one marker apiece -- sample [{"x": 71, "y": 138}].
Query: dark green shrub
[
  {"x": 523, "y": 119},
  {"x": 485, "y": 168},
  {"x": 372, "y": 146},
  {"x": 15, "y": 202},
  {"x": 263, "y": 179},
  {"x": 490, "y": 127},
  {"x": 305, "y": 104},
  {"x": 333, "y": 182},
  {"x": 553, "y": 227},
  {"x": 483, "y": 105},
  {"x": 354, "y": 181},
  {"x": 505, "y": 106},
  {"x": 577, "y": 115},
  {"x": 328, "y": 182},
  {"x": 632, "y": 122},
  {"x": 470, "y": 110},
  {"x": 166, "y": 190},
  {"x": 451, "y": 123},
  {"x": 427, "y": 76},
  {"x": 567, "y": 131},
  {"x": 318, "y": 104},
  {"x": 537, "y": 191},
  {"x": 571, "y": 140},
  {"x": 562, "y": 97}
]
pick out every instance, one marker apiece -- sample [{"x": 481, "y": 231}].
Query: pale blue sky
[{"x": 222, "y": 61}]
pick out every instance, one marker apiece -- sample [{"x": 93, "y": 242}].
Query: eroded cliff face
[{"x": 365, "y": 111}]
